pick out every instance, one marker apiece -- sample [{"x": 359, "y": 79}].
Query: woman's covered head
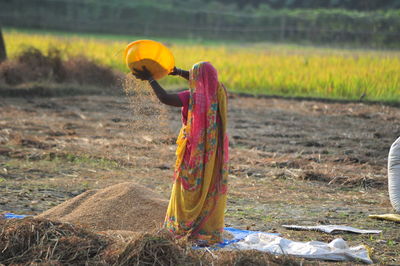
[{"x": 203, "y": 74}]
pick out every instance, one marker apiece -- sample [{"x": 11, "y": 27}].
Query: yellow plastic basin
[{"x": 157, "y": 58}]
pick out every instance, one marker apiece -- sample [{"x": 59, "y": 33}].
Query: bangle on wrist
[{"x": 151, "y": 80}]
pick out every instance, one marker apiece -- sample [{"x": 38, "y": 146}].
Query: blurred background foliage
[{"x": 366, "y": 23}]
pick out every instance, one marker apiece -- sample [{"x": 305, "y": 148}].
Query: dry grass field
[{"x": 292, "y": 162}]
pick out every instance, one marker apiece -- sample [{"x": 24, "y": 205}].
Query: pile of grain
[{"x": 125, "y": 206}]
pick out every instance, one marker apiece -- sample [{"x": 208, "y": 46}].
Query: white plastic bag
[{"x": 394, "y": 175}]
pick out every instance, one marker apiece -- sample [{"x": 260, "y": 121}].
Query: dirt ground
[{"x": 292, "y": 161}]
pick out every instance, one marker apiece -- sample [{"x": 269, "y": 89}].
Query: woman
[{"x": 198, "y": 198}]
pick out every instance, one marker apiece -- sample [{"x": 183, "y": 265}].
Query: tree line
[
  {"x": 312, "y": 4},
  {"x": 215, "y": 20}
]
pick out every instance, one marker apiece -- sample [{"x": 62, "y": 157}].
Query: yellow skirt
[{"x": 197, "y": 213}]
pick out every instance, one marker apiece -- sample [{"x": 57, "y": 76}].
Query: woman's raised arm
[
  {"x": 171, "y": 99},
  {"x": 180, "y": 72}
]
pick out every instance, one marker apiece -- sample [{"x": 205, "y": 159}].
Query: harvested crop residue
[
  {"x": 41, "y": 240},
  {"x": 32, "y": 65},
  {"x": 32, "y": 241}
]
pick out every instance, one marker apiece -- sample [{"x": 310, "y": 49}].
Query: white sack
[
  {"x": 336, "y": 250},
  {"x": 394, "y": 175}
]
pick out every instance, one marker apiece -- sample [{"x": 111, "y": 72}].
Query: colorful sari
[{"x": 198, "y": 199}]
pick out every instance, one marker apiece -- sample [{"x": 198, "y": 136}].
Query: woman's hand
[
  {"x": 143, "y": 74},
  {"x": 175, "y": 71},
  {"x": 180, "y": 72}
]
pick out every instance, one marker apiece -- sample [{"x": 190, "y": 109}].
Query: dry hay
[
  {"x": 160, "y": 248},
  {"x": 123, "y": 236},
  {"x": 39, "y": 240},
  {"x": 251, "y": 258},
  {"x": 83, "y": 71},
  {"x": 342, "y": 171},
  {"x": 31, "y": 65},
  {"x": 149, "y": 116},
  {"x": 125, "y": 206}
]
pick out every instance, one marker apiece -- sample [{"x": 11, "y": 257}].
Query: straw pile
[
  {"x": 160, "y": 248},
  {"x": 41, "y": 240},
  {"x": 126, "y": 206},
  {"x": 32, "y": 65},
  {"x": 253, "y": 258},
  {"x": 33, "y": 241}
]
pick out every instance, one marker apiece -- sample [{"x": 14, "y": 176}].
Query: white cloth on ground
[
  {"x": 332, "y": 229},
  {"x": 336, "y": 250}
]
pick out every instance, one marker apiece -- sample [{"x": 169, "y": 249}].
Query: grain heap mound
[{"x": 126, "y": 206}]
